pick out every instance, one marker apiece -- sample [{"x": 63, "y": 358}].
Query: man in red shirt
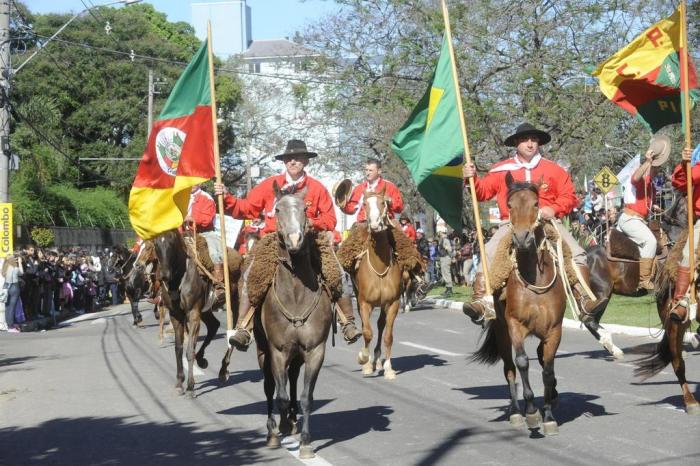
[
  {"x": 556, "y": 199},
  {"x": 407, "y": 227},
  {"x": 639, "y": 195},
  {"x": 374, "y": 183},
  {"x": 679, "y": 308},
  {"x": 261, "y": 200},
  {"x": 201, "y": 212}
]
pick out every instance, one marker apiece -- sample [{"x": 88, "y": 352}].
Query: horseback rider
[
  {"x": 407, "y": 227},
  {"x": 261, "y": 199},
  {"x": 639, "y": 195},
  {"x": 556, "y": 199},
  {"x": 679, "y": 306},
  {"x": 201, "y": 213},
  {"x": 374, "y": 182}
]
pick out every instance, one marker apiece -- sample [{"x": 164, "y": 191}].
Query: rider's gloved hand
[{"x": 547, "y": 213}]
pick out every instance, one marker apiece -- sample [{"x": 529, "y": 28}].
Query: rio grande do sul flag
[
  {"x": 431, "y": 145},
  {"x": 179, "y": 153},
  {"x": 644, "y": 78}
]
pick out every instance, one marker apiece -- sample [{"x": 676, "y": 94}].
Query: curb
[{"x": 574, "y": 324}]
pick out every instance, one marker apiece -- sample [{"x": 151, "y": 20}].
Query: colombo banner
[{"x": 5, "y": 230}]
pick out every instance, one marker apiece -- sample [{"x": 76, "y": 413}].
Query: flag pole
[
  {"x": 217, "y": 168},
  {"x": 467, "y": 156},
  {"x": 685, "y": 92}
]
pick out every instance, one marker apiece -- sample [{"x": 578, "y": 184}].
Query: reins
[{"x": 544, "y": 246}]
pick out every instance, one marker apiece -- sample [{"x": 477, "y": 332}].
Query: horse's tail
[
  {"x": 488, "y": 353},
  {"x": 655, "y": 362}
]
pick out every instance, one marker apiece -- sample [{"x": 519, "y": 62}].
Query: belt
[{"x": 633, "y": 213}]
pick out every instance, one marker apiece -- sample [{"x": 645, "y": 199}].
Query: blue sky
[{"x": 271, "y": 19}]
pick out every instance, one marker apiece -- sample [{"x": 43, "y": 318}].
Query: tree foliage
[{"x": 84, "y": 95}]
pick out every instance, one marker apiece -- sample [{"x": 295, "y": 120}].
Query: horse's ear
[
  {"x": 276, "y": 189},
  {"x": 509, "y": 179}
]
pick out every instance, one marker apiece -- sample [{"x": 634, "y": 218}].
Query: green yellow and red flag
[
  {"x": 179, "y": 153},
  {"x": 645, "y": 77}
]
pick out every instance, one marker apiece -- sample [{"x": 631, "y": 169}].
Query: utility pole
[
  {"x": 150, "y": 101},
  {"x": 5, "y": 70}
]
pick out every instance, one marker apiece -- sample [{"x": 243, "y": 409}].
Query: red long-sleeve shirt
[
  {"x": 409, "y": 231},
  {"x": 357, "y": 197},
  {"x": 261, "y": 199},
  {"x": 556, "y": 189},
  {"x": 202, "y": 208},
  {"x": 679, "y": 181}
]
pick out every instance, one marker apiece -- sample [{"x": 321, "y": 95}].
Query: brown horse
[
  {"x": 292, "y": 328},
  {"x": 184, "y": 293},
  {"x": 378, "y": 283},
  {"x": 535, "y": 301},
  {"x": 670, "y": 348}
]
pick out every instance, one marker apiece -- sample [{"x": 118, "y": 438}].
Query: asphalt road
[{"x": 101, "y": 392}]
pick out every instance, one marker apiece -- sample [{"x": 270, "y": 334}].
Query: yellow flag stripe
[
  {"x": 435, "y": 97},
  {"x": 452, "y": 171}
]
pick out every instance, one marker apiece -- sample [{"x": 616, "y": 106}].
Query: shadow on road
[
  {"x": 571, "y": 405},
  {"x": 418, "y": 361},
  {"x": 7, "y": 364},
  {"x": 341, "y": 426},
  {"x": 260, "y": 407},
  {"x": 235, "y": 378},
  {"x": 117, "y": 440}
]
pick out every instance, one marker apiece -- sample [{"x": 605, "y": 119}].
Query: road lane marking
[
  {"x": 195, "y": 370},
  {"x": 431, "y": 349},
  {"x": 451, "y": 331},
  {"x": 292, "y": 446}
]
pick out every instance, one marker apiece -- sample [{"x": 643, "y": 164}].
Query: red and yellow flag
[
  {"x": 179, "y": 153},
  {"x": 644, "y": 78}
]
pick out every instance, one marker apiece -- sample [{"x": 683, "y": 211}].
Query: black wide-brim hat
[
  {"x": 527, "y": 129},
  {"x": 296, "y": 147}
]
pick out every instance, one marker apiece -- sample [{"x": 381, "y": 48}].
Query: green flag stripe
[{"x": 191, "y": 90}]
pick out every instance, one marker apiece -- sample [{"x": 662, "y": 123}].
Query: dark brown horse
[
  {"x": 292, "y": 328},
  {"x": 378, "y": 283},
  {"x": 136, "y": 281},
  {"x": 184, "y": 293},
  {"x": 535, "y": 301},
  {"x": 670, "y": 348}
]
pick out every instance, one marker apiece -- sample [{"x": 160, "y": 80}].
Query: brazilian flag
[{"x": 430, "y": 144}]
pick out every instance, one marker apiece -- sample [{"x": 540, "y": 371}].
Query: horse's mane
[{"x": 522, "y": 185}]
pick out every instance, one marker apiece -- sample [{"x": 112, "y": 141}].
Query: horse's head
[
  {"x": 171, "y": 255},
  {"x": 290, "y": 215},
  {"x": 376, "y": 210},
  {"x": 524, "y": 207}
]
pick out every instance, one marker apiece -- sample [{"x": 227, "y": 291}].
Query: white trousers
[{"x": 637, "y": 230}]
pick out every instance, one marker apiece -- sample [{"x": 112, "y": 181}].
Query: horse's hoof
[
  {"x": 223, "y": 377},
  {"x": 618, "y": 354},
  {"x": 273, "y": 441},
  {"x": 363, "y": 356},
  {"x": 695, "y": 341},
  {"x": 294, "y": 430},
  {"x": 191, "y": 395},
  {"x": 285, "y": 427},
  {"x": 202, "y": 363},
  {"x": 378, "y": 365},
  {"x": 533, "y": 420},
  {"x": 693, "y": 408},
  {"x": 368, "y": 368},
  {"x": 306, "y": 452},
  {"x": 179, "y": 391},
  {"x": 550, "y": 428},
  {"x": 390, "y": 374},
  {"x": 516, "y": 420}
]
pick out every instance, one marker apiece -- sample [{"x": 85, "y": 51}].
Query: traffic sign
[{"x": 605, "y": 180}]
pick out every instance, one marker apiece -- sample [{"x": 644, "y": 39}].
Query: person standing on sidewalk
[
  {"x": 12, "y": 269},
  {"x": 444, "y": 252}
]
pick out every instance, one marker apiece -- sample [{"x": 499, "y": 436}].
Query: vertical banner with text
[{"x": 5, "y": 229}]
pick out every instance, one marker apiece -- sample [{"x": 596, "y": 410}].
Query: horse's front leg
[
  {"x": 293, "y": 372},
  {"x": 381, "y": 323},
  {"x": 278, "y": 365},
  {"x": 604, "y": 338},
  {"x": 546, "y": 352},
  {"x": 388, "y": 339},
  {"x": 363, "y": 356},
  {"x": 192, "y": 335},
  {"x": 313, "y": 361},
  {"x": 212, "y": 324},
  {"x": 675, "y": 347},
  {"x": 505, "y": 349},
  {"x": 177, "y": 321},
  {"x": 517, "y": 335}
]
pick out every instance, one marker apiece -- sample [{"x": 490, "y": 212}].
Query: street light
[{"x": 124, "y": 2}]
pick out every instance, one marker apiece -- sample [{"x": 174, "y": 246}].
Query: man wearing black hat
[
  {"x": 557, "y": 198},
  {"x": 261, "y": 200}
]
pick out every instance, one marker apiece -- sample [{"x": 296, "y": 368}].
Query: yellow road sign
[{"x": 605, "y": 180}]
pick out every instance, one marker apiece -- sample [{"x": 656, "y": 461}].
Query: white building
[{"x": 230, "y": 25}]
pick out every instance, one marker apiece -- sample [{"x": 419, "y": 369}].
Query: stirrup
[
  {"x": 240, "y": 339},
  {"x": 347, "y": 328},
  {"x": 685, "y": 304}
]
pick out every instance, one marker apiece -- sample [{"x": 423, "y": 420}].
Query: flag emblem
[{"x": 169, "y": 142}]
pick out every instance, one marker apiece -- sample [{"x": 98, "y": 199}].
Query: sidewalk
[{"x": 653, "y": 333}]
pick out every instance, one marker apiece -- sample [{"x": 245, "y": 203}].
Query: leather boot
[
  {"x": 350, "y": 331},
  {"x": 241, "y": 337},
  {"x": 448, "y": 292},
  {"x": 219, "y": 288},
  {"x": 590, "y": 308},
  {"x": 679, "y": 306},
  {"x": 481, "y": 308},
  {"x": 646, "y": 269}
]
